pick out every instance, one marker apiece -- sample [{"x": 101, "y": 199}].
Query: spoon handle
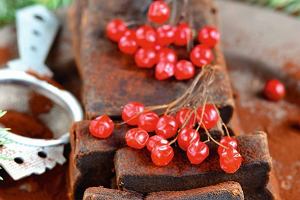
[{"x": 36, "y": 31}]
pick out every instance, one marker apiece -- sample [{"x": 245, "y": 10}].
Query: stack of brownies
[{"x": 107, "y": 169}]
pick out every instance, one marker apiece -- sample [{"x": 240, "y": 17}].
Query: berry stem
[
  {"x": 209, "y": 136},
  {"x": 174, "y": 12},
  {"x": 174, "y": 140},
  {"x": 226, "y": 129}
]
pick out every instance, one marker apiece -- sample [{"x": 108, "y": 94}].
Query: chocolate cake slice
[
  {"x": 135, "y": 171},
  {"x": 111, "y": 79},
  {"x": 101, "y": 193},
  {"x": 91, "y": 159},
  {"x": 223, "y": 191}
]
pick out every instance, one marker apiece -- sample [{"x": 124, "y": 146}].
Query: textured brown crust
[
  {"x": 254, "y": 172},
  {"x": 91, "y": 160},
  {"x": 75, "y": 13},
  {"x": 110, "y": 78},
  {"x": 223, "y": 191},
  {"x": 101, "y": 193}
]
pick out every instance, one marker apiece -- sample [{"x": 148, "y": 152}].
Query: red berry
[
  {"x": 156, "y": 140},
  {"x": 201, "y": 55},
  {"x": 159, "y": 12},
  {"x": 166, "y": 127},
  {"x": 183, "y": 34},
  {"x": 148, "y": 121},
  {"x": 101, "y": 127},
  {"x": 167, "y": 55},
  {"x": 183, "y": 115},
  {"x": 136, "y": 138},
  {"x": 131, "y": 112},
  {"x": 274, "y": 90},
  {"x": 145, "y": 58},
  {"x": 184, "y": 70},
  {"x": 230, "y": 160},
  {"x": 164, "y": 70},
  {"x": 165, "y": 35},
  {"x": 157, "y": 47},
  {"x": 162, "y": 155},
  {"x": 227, "y": 142},
  {"x": 115, "y": 29},
  {"x": 210, "y": 116},
  {"x": 127, "y": 43},
  {"x": 197, "y": 152},
  {"x": 187, "y": 136},
  {"x": 146, "y": 36},
  {"x": 209, "y": 36}
]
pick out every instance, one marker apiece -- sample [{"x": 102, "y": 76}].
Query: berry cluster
[
  {"x": 154, "y": 131},
  {"x": 155, "y": 46}
]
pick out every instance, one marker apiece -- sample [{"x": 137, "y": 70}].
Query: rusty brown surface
[
  {"x": 257, "y": 49},
  {"x": 253, "y": 173},
  {"x": 226, "y": 190},
  {"x": 111, "y": 79}
]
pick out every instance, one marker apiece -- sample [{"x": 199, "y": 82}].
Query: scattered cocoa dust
[{"x": 25, "y": 125}]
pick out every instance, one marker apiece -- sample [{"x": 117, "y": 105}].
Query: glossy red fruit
[
  {"x": 148, "y": 121},
  {"x": 157, "y": 48},
  {"x": 187, "y": 136},
  {"x": 115, "y": 29},
  {"x": 136, "y": 138},
  {"x": 201, "y": 55},
  {"x": 145, "y": 58},
  {"x": 209, "y": 36},
  {"x": 274, "y": 90},
  {"x": 162, "y": 155},
  {"x": 197, "y": 152},
  {"x": 210, "y": 116},
  {"x": 167, "y": 55},
  {"x": 186, "y": 114},
  {"x": 156, "y": 140},
  {"x": 164, "y": 70},
  {"x": 165, "y": 35},
  {"x": 159, "y": 12},
  {"x": 127, "y": 43},
  {"x": 146, "y": 36},
  {"x": 230, "y": 160},
  {"x": 166, "y": 127},
  {"x": 184, "y": 70},
  {"x": 101, "y": 127},
  {"x": 131, "y": 112},
  {"x": 227, "y": 142},
  {"x": 183, "y": 34}
]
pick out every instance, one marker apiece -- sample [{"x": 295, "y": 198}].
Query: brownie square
[
  {"x": 101, "y": 193},
  {"x": 91, "y": 160},
  {"x": 110, "y": 78},
  {"x": 135, "y": 171},
  {"x": 223, "y": 191}
]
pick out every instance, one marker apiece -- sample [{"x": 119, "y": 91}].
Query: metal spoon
[{"x": 36, "y": 30}]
